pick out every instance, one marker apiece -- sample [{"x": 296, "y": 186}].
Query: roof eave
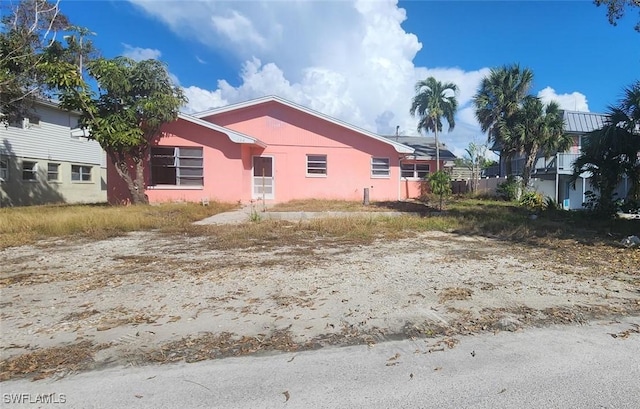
[{"x": 234, "y": 136}]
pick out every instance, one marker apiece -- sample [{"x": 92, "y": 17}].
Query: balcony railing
[{"x": 561, "y": 163}]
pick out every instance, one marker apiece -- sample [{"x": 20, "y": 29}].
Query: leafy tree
[
  {"x": 440, "y": 185},
  {"x": 433, "y": 101},
  {"x": 613, "y": 151},
  {"x": 30, "y": 63},
  {"x": 536, "y": 129},
  {"x": 498, "y": 101},
  {"x": 475, "y": 161},
  {"x": 133, "y": 101},
  {"x": 617, "y": 8}
]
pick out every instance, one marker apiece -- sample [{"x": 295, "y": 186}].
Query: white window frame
[
  {"x": 56, "y": 172},
  {"x": 178, "y": 156},
  {"x": 83, "y": 177},
  {"x": 316, "y": 166},
  {"x": 4, "y": 169},
  {"x": 33, "y": 170},
  {"x": 378, "y": 168},
  {"x": 415, "y": 172}
]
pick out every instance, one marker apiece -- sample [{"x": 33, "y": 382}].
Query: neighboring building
[
  {"x": 416, "y": 167},
  {"x": 552, "y": 176},
  {"x": 42, "y": 160},
  {"x": 273, "y": 150}
]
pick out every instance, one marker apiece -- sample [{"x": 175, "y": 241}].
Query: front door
[{"x": 263, "y": 181}]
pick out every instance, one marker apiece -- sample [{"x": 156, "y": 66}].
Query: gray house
[
  {"x": 42, "y": 160},
  {"x": 551, "y": 176}
]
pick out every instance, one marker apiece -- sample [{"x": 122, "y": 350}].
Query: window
[
  {"x": 4, "y": 169},
  {"x": 29, "y": 170},
  {"x": 380, "y": 167},
  {"x": 316, "y": 165},
  {"x": 80, "y": 173},
  {"x": 176, "y": 166},
  {"x": 31, "y": 120},
  {"x": 53, "y": 172},
  {"x": 414, "y": 170}
]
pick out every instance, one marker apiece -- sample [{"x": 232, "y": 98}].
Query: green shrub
[
  {"x": 440, "y": 185},
  {"x": 508, "y": 190},
  {"x": 532, "y": 200}
]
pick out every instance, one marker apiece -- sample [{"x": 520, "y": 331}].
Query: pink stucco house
[{"x": 274, "y": 150}]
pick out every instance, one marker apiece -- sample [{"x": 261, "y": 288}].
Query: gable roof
[
  {"x": 583, "y": 122},
  {"x": 234, "y": 136},
  {"x": 399, "y": 147},
  {"x": 424, "y": 147}
]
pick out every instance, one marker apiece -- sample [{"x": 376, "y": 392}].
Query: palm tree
[
  {"x": 537, "y": 129},
  {"x": 613, "y": 151},
  {"x": 497, "y": 101},
  {"x": 433, "y": 101}
]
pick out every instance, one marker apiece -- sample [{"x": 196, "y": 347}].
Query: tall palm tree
[
  {"x": 537, "y": 129},
  {"x": 432, "y": 102},
  {"x": 497, "y": 101}
]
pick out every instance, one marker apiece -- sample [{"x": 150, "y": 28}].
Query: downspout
[{"x": 400, "y": 177}]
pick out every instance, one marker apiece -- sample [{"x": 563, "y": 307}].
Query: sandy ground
[{"x": 151, "y": 297}]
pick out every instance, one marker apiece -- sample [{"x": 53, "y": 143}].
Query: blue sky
[{"x": 358, "y": 60}]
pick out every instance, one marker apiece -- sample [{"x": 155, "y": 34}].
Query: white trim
[
  {"x": 273, "y": 179},
  {"x": 175, "y": 187},
  {"x": 233, "y": 136},
  {"x": 399, "y": 147},
  {"x": 387, "y": 176},
  {"x": 326, "y": 166}
]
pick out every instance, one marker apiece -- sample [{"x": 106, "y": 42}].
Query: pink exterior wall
[
  {"x": 291, "y": 135},
  {"x": 226, "y": 167}
]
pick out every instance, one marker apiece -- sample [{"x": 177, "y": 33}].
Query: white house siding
[{"x": 45, "y": 143}]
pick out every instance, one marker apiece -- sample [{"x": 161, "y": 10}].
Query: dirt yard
[{"x": 70, "y": 305}]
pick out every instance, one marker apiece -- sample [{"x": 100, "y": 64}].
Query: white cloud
[
  {"x": 571, "y": 102},
  {"x": 238, "y": 29},
  {"x": 140, "y": 54}
]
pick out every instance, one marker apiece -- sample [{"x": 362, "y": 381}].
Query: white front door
[{"x": 263, "y": 180}]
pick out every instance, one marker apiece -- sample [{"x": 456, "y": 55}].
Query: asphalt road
[{"x": 557, "y": 367}]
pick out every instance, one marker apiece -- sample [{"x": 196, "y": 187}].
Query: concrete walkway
[{"x": 244, "y": 215}]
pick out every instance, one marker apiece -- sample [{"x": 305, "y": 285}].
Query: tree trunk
[
  {"x": 437, "y": 150},
  {"x": 135, "y": 186},
  {"x": 529, "y": 163},
  {"x": 507, "y": 162}
]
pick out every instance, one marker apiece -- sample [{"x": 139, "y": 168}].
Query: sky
[{"x": 359, "y": 60}]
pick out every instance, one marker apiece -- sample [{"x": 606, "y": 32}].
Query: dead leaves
[
  {"x": 393, "y": 360},
  {"x": 45, "y": 362},
  {"x": 626, "y": 333},
  {"x": 454, "y": 293}
]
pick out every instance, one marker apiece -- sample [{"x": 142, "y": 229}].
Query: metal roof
[
  {"x": 583, "y": 122},
  {"x": 425, "y": 147}
]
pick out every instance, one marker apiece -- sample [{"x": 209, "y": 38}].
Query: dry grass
[
  {"x": 315, "y": 233},
  {"x": 454, "y": 293},
  {"x": 26, "y": 225},
  {"x": 317, "y": 205}
]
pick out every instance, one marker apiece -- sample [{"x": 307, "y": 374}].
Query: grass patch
[
  {"x": 26, "y": 225},
  {"x": 318, "y": 205}
]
